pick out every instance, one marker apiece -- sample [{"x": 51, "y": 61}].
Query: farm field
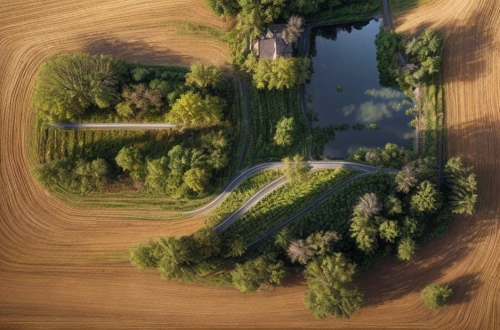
[{"x": 64, "y": 267}]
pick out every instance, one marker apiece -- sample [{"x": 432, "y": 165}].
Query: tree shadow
[
  {"x": 136, "y": 51},
  {"x": 393, "y": 279},
  {"x": 464, "y": 288}
]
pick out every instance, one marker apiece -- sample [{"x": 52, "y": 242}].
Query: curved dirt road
[{"x": 62, "y": 267}]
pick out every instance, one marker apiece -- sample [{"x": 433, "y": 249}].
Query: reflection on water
[{"x": 345, "y": 56}]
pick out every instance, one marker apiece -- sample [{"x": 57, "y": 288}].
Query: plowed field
[{"x": 62, "y": 267}]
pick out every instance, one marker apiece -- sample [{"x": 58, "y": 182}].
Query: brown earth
[{"x": 61, "y": 267}]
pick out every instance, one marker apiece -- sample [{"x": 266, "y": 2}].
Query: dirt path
[
  {"x": 114, "y": 126},
  {"x": 62, "y": 267}
]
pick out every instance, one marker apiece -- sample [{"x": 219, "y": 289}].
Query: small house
[{"x": 271, "y": 45}]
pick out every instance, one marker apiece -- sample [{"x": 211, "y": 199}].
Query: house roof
[
  {"x": 267, "y": 48},
  {"x": 272, "y": 45},
  {"x": 282, "y": 48}
]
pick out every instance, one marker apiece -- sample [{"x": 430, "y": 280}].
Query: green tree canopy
[
  {"x": 461, "y": 184},
  {"x": 157, "y": 175},
  {"x": 332, "y": 291},
  {"x": 256, "y": 14},
  {"x": 280, "y": 73},
  {"x": 203, "y": 76},
  {"x": 130, "y": 159},
  {"x": 207, "y": 242},
  {"x": 146, "y": 255},
  {"x": 254, "y": 273},
  {"x": 407, "y": 249},
  {"x": 364, "y": 230},
  {"x": 177, "y": 256},
  {"x": 196, "y": 179},
  {"x": 192, "y": 110},
  {"x": 389, "y": 230},
  {"x": 426, "y": 199},
  {"x": 284, "y": 132},
  {"x": 434, "y": 296},
  {"x": 69, "y": 86}
]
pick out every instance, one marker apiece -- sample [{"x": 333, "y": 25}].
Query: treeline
[
  {"x": 184, "y": 162},
  {"x": 82, "y": 87},
  {"x": 372, "y": 217},
  {"x": 422, "y": 53}
]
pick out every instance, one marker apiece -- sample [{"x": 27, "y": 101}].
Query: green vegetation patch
[
  {"x": 342, "y": 11},
  {"x": 241, "y": 194},
  {"x": 282, "y": 204},
  {"x": 189, "y": 162},
  {"x": 268, "y": 108}
]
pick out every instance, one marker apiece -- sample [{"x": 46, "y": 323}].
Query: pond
[{"x": 345, "y": 88}]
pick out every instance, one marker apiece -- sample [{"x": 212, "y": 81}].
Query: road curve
[
  {"x": 146, "y": 126},
  {"x": 258, "y": 196},
  {"x": 306, "y": 209}
]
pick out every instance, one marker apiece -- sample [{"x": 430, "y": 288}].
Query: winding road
[{"x": 261, "y": 194}]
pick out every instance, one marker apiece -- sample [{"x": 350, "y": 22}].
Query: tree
[
  {"x": 255, "y": 14},
  {"x": 177, "y": 256},
  {"x": 407, "y": 249},
  {"x": 254, "y": 273},
  {"x": 284, "y": 132},
  {"x": 157, "y": 175},
  {"x": 368, "y": 205},
  {"x": 91, "y": 175},
  {"x": 68, "y": 86},
  {"x": 192, "y": 110},
  {"x": 280, "y": 73},
  {"x": 203, "y": 76},
  {"x": 461, "y": 184},
  {"x": 393, "y": 205},
  {"x": 391, "y": 156},
  {"x": 145, "y": 256},
  {"x": 124, "y": 110},
  {"x": 196, "y": 179},
  {"x": 434, "y": 296},
  {"x": 225, "y": 7},
  {"x": 299, "y": 251},
  {"x": 389, "y": 230},
  {"x": 425, "y": 51},
  {"x": 293, "y": 30},
  {"x": 207, "y": 243},
  {"x": 283, "y": 238},
  {"x": 296, "y": 169},
  {"x": 406, "y": 178},
  {"x": 364, "y": 230},
  {"x": 426, "y": 199},
  {"x": 332, "y": 291},
  {"x": 236, "y": 248},
  {"x": 321, "y": 242},
  {"x": 129, "y": 159},
  {"x": 141, "y": 99}
]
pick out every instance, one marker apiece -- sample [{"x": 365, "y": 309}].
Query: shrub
[{"x": 434, "y": 296}]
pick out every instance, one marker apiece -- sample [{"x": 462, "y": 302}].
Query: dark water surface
[{"x": 345, "y": 56}]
